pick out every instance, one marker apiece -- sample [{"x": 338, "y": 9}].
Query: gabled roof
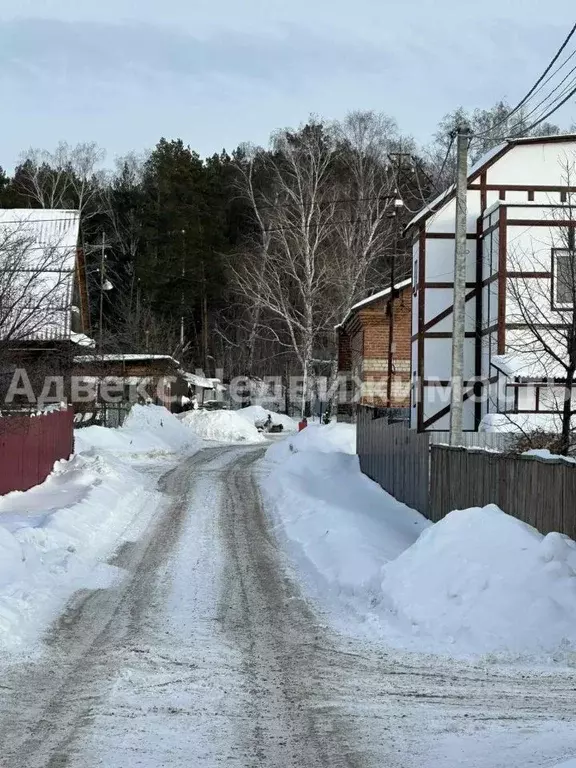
[
  {"x": 374, "y": 297},
  {"x": 481, "y": 165},
  {"x": 44, "y": 230},
  {"x": 41, "y": 245}
]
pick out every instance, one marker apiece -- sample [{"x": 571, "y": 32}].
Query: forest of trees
[{"x": 244, "y": 262}]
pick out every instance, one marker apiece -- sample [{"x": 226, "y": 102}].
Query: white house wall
[
  {"x": 443, "y": 220},
  {"x": 538, "y": 164},
  {"x": 525, "y": 166},
  {"x": 437, "y": 399}
]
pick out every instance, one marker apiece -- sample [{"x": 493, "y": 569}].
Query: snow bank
[
  {"x": 339, "y": 527},
  {"x": 484, "y": 581},
  {"x": 477, "y": 582},
  {"x": 546, "y": 455},
  {"x": 148, "y": 429},
  {"x": 255, "y": 413},
  {"x": 56, "y": 537},
  {"x": 316, "y": 438},
  {"x": 224, "y": 426}
]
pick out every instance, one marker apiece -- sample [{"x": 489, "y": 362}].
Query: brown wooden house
[{"x": 133, "y": 378}]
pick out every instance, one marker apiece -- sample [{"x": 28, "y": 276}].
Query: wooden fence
[
  {"x": 436, "y": 479},
  {"x": 396, "y": 457},
  {"x": 29, "y": 446},
  {"x": 541, "y": 493}
]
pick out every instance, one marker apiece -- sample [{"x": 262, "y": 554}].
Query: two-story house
[{"x": 520, "y": 224}]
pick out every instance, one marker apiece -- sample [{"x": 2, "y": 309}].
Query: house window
[{"x": 564, "y": 277}]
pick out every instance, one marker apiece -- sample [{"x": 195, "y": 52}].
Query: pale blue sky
[{"x": 123, "y": 73}]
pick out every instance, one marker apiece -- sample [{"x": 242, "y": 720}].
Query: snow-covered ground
[
  {"x": 333, "y": 519},
  {"x": 203, "y": 651},
  {"x": 55, "y": 538},
  {"x": 222, "y": 426},
  {"x": 478, "y": 582}
]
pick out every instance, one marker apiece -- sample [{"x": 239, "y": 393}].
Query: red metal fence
[{"x": 29, "y": 446}]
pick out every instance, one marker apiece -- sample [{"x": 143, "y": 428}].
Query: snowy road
[{"x": 205, "y": 654}]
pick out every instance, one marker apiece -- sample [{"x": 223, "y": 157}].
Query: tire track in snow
[
  {"x": 45, "y": 704},
  {"x": 206, "y": 655},
  {"x": 284, "y": 648}
]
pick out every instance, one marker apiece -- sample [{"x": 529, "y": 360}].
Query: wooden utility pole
[
  {"x": 398, "y": 204},
  {"x": 204, "y": 310},
  {"x": 390, "y": 306},
  {"x": 102, "y": 284},
  {"x": 183, "y": 233},
  {"x": 83, "y": 290},
  {"x": 459, "y": 307}
]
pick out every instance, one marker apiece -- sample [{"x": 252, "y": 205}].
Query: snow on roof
[
  {"x": 486, "y": 157},
  {"x": 554, "y": 137},
  {"x": 46, "y": 229},
  {"x": 375, "y": 297},
  {"x": 525, "y": 204},
  {"x": 82, "y": 340},
  {"x": 196, "y": 380},
  {"x": 44, "y": 242},
  {"x": 527, "y": 365},
  {"x": 479, "y": 165}
]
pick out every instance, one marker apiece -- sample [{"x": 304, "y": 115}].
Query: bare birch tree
[
  {"x": 289, "y": 276},
  {"x": 364, "y": 228},
  {"x": 69, "y": 177}
]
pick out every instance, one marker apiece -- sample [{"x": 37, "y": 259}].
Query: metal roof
[
  {"x": 44, "y": 242},
  {"x": 374, "y": 297}
]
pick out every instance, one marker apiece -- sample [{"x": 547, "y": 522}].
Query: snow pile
[
  {"x": 224, "y": 426},
  {"x": 316, "y": 438},
  {"x": 338, "y": 526},
  {"x": 484, "y": 581},
  {"x": 477, "y": 582},
  {"x": 56, "y": 537},
  {"x": 255, "y": 414},
  {"x": 148, "y": 429}
]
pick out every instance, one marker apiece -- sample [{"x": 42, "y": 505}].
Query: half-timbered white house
[{"x": 520, "y": 234}]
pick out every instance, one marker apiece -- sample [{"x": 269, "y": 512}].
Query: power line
[
  {"x": 551, "y": 112},
  {"x": 535, "y": 87},
  {"x": 522, "y": 122},
  {"x": 548, "y": 68},
  {"x": 553, "y": 74},
  {"x": 450, "y": 145},
  {"x": 339, "y": 200}
]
